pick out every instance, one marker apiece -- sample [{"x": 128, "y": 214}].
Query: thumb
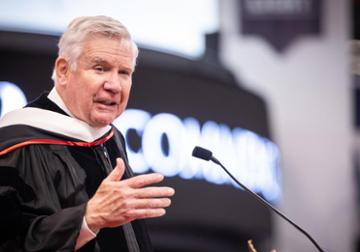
[{"x": 117, "y": 173}]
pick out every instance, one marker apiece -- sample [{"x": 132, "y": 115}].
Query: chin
[
  {"x": 104, "y": 124},
  {"x": 98, "y": 123}
]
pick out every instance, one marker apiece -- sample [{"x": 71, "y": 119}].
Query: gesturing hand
[{"x": 118, "y": 202}]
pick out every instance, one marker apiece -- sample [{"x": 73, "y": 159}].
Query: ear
[{"x": 62, "y": 70}]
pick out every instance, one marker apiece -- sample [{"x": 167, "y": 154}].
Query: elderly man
[{"x": 58, "y": 188}]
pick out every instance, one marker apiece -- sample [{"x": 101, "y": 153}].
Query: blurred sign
[
  {"x": 280, "y": 22},
  {"x": 11, "y": 97},
  {"x": 251, "y": 158}
]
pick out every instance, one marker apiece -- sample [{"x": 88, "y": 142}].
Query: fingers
[
  {"x": 134, "y": 182},
  {"x": 147, "y": 204},
  {"x": 144, "y": 180},
  {"x": 136, "y": 214},
  {"x": 117, "y": 201},
  {"x": 146, "y": 213},
  {"x": 154, "y": 192},
  {"x": 117, "y": 173}
]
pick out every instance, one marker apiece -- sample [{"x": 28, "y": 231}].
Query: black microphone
[{"x": 205, "y": 154}]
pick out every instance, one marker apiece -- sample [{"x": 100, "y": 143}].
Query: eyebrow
[
  {"x": 101, "y": 61},
  {"x": 98, "y": 60}
]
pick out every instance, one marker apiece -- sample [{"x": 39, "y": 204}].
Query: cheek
[
  {"x": 89, "y": 91},
  {"x": 126, "y": 90},
  {"x": 125, "y": 97}
]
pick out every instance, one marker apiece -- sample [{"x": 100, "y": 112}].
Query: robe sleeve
[
  {"x": 42, "y": 207},
  {"x": 85, "y": 235},
  {"x": 56, "y": 232}
]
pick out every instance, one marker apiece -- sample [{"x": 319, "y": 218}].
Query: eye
[
  {"x": 125, "y": 72},
  {"x": 99, "y": 68}
]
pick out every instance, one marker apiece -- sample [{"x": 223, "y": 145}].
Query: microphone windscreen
[{"x": 202, "y": 153}]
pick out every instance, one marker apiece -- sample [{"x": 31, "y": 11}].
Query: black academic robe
[{"x": 46, "y": 180}]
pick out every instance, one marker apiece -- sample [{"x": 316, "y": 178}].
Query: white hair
[{"x": 78, "y": 31}]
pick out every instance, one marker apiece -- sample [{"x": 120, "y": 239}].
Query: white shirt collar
[{"x": 56, "y": 98}]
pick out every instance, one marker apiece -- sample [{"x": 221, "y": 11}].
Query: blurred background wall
[
  {"x": 307, "y": 86},
  {"x": 278, "y": 68}
]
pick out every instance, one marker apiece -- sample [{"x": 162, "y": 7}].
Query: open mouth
[{"x": 106, "y": 103}]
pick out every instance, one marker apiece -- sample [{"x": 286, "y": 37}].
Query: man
[{"x": 58, "y": 188}]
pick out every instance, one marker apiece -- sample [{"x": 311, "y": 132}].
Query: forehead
[{"x": 112, "y": 50}]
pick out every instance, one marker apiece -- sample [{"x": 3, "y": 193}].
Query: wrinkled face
[{"x": 97, "y": 91}]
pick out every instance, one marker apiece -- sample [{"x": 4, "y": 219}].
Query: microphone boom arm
[{"x": 207, "y": 155}]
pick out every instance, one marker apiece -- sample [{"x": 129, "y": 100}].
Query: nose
[{"x": 113, "y": 83}]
